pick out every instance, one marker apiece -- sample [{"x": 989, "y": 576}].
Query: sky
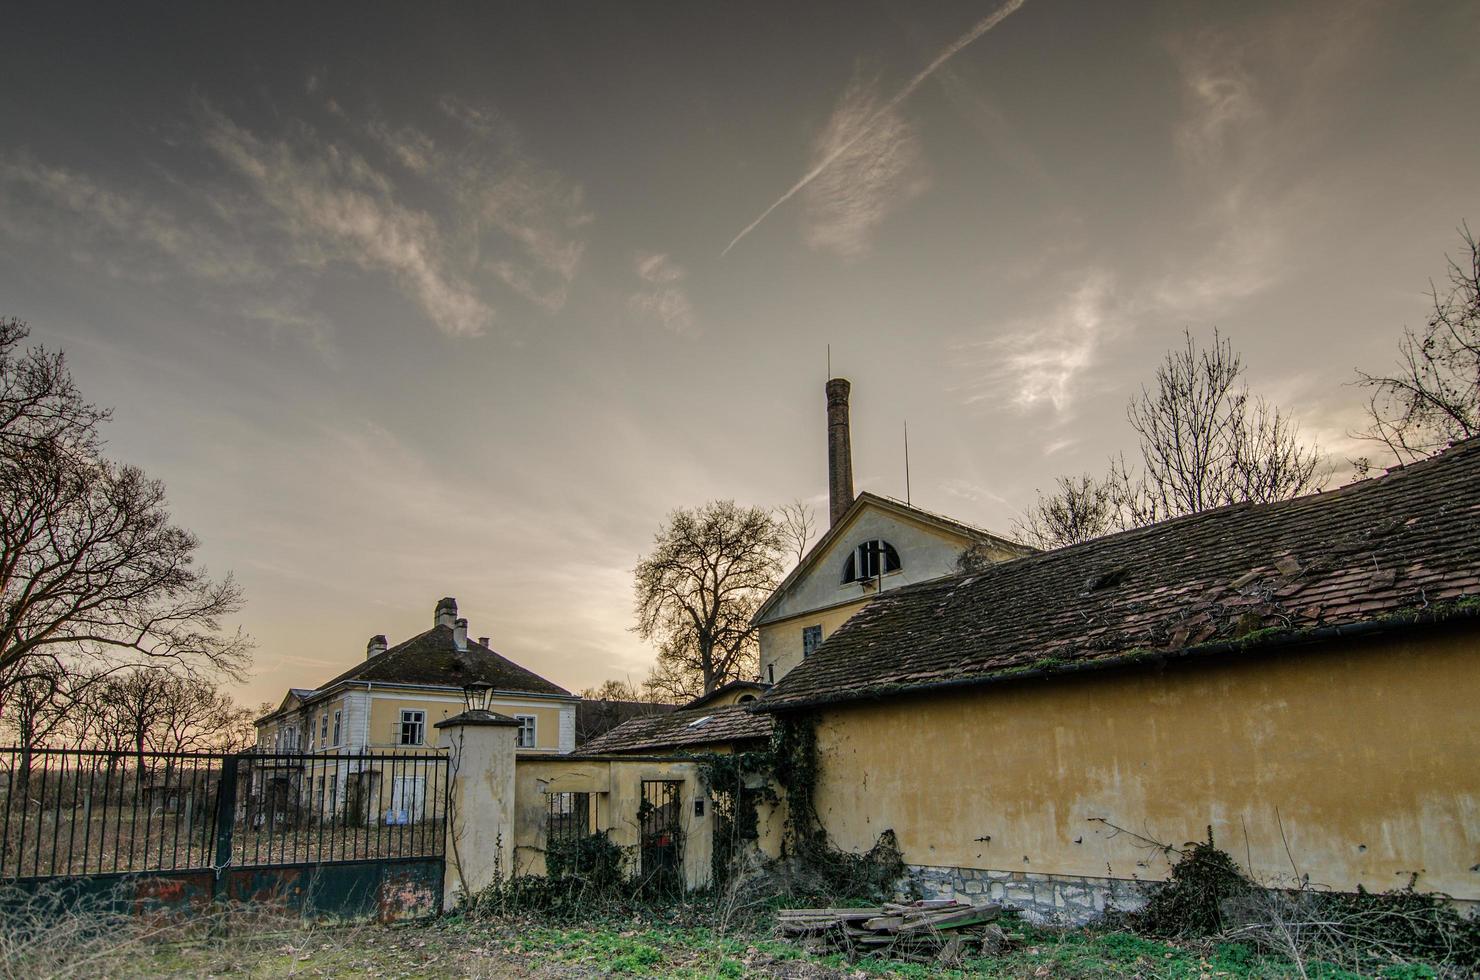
[{"x": 405, "y": 301}]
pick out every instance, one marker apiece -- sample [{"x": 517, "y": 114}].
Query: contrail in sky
[{"x": 982, "y": 26}]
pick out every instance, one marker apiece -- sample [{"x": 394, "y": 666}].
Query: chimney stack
[
  {"x": 483, "y": 641},
  {"x": 376, "y": 646},
  {"x": 839, "y": 451},
  {"x": 460, "y": 634},
  {"x": 446, "y": 614}
]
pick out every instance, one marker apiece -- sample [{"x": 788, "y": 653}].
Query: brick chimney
[
  {"x": 376, "y": 646},
  {"x": 483, "y": 641},
  {"x": 446, "y": 614},
  {"x": 839, "y": 451},
  {"x": 460, "y": 634}
]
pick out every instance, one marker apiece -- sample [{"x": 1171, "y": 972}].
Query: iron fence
[{"x": 85, "y": 812}]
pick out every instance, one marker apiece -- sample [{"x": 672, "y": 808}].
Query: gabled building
[
  {"x": 873, "y": 544},
  {"x": 1301, "y": 677},
  {"x": 391, "y": 700}
]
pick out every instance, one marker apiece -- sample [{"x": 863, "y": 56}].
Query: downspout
[{"x": 365, "y": 722}]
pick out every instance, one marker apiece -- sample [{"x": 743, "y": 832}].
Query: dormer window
[{"x": 870, "y": 560}]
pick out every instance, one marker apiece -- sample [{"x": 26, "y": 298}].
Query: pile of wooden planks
[{"x": 916, "y": 927}]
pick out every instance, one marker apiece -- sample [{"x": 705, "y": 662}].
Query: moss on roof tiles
[{"x": 1381, "y": 551}]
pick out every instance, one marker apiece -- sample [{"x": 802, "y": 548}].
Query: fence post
[
  {"x": 225, "y": 815},
  {"x": 480, "y": 800}
]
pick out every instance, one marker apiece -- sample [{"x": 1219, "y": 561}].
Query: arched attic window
[{"x": 870, "y": 560}]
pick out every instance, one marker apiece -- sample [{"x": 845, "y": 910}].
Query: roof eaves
[{"x": 1462, "y": 610}]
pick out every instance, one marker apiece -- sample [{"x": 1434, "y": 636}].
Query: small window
[
  {"x": 324, "y": 731},
  {"x": 811, "y": 639},
  {"x": 413, "y": 727},
  {"x": 526, "y": 731},
  {"x": 871, "y": 560},
  {"x": 310, "y": 734},
  {"x": 336, "y": 728}
]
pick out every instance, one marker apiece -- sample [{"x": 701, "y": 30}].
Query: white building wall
[
  {"x": 923, "y": 554},
  {"x": 567, "y": 728}
]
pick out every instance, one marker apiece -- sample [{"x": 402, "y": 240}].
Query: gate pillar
[{"x": 480, "y": 800}]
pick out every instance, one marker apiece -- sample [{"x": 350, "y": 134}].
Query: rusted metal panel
[
  {"x": 186, "y": 893},
  {"x": 270, "y": 889},
  {"x": 411, "y": 890}
]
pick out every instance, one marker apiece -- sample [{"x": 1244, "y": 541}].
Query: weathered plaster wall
[
  {"x": 781, "y": 642},
  {"x": 480, "y": 806},
  {"x": 1366, "y": 754},
  {"x": 925, "y": 552},
  {"x": 386, "y": 705},
  {"x": 821, "y": 597},
  {"x": 617, "y": 786}
]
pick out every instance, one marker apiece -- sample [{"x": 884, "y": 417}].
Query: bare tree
[
  {"x": 1079, "y": 508},
  {"x": 622, "y": 690},
  {"x": 151, "y": 709},
  {"x": 708, "y": 572},
  {"x": 797, "y": 522},
  {"x": 93, "y": 573},
  {"x": 1204, "y": 441},
  {"x": 1433, "y": 398}
]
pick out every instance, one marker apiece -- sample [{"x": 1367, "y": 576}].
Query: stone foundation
[{"x": 1043, "y": 899}]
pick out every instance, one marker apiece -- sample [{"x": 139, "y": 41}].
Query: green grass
[{"x": 634, "y": 947}]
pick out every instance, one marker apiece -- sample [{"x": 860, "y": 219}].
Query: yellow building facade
[{"x": 878, "y": 545}]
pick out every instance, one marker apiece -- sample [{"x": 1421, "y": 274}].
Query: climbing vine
[
  {"x": 875, "y": 873},
  {"x": 738, "y": 783}
]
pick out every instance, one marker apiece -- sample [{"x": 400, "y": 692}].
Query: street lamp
[{"x": 477, "y": 695}]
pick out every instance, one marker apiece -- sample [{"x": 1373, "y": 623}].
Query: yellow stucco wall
[
  {"x": 781, "y": 642},
  {"x": 731, "y": 697},
  {"x": 385, "y": 717},
  {"x": 1370, "y": 753},
  {"x": 617, "y": 785}
]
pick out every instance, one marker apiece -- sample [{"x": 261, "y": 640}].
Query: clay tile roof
[
  {"x": 682, "y": 729},
  {"x": 1398, "y": 548},
  {"x": 433, "y": 658}
]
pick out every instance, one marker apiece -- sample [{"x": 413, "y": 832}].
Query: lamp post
[{"x": 477, "y": 695}]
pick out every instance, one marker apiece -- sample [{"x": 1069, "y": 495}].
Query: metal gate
[
  {"x": 316, "y": 835},
  {"x": 661, "y": 851}
]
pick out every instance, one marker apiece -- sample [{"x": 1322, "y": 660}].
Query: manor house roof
[{"x": 433, "y": 659}]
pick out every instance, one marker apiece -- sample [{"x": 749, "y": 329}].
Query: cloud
[
  {"x": 1043, "y": 364},
  {"x": 96, "y": 219},
  {"x": 337, "y": 206},
  {"x": 408, "y": 146},
  {"x": 661, "y": 296},
  {"x": 514, "y": 200},
  {"x": 286, "y": 317},
  {"x": 876, "y": 165},
  {"x": 1256, "y": 106},
  {"x": 864, "y": 127},
  {"x": 1220, "y": 98}
]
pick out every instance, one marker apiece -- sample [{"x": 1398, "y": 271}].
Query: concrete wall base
[{"x": 1043, "y": 899}]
